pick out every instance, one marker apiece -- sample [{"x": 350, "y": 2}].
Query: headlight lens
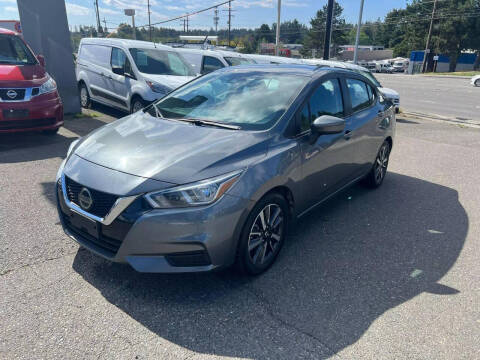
[
  {"x": 48, "y": 86},
  {"x": 161, "y": 89},
  {"x": 200, "y": 193}
]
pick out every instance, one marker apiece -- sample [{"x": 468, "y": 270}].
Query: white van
[
  {"x": 128, "y": 74},
  {"x": 206, "y": 61}
]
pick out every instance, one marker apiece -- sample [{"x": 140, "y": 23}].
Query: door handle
[{"x": 348, "y": 134}]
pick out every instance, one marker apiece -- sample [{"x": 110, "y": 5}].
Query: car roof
[
  {"x": 7, "y": 32},
  {"x": 298, "y": 69},
  {"x": 125, "y": 43},
  {"x": 211, "y": 52}
]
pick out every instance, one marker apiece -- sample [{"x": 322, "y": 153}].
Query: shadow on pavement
[{"x": 349, "y": 261}]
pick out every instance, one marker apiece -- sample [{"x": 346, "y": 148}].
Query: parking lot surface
[
  {"x": 447, "y": 96},
  {"x": 384, "y": 274}
]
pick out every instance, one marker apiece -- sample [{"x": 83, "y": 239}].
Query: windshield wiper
[{"x": 199, "y": 122}]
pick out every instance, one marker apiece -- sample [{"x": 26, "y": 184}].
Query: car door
[
  {"x": 328, "y": 161},
  {"x": 120, "y": 85},
  {"x": 210, "y": 64},
  {"x": 367, "y": 114}
]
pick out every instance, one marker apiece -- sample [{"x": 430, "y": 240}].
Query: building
[{"x": 361, "y": 47}]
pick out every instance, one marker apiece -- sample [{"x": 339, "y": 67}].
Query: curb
[
  {"x": 448, "y": 77},
  {"x": 439, "y": 118}
]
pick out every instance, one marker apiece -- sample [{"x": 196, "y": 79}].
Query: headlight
[
  {"x": 200, "y": 193},
  {"x": 162, "y": 89},
  {"x": 48, "y": 86}
]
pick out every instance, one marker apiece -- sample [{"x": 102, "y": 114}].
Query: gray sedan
[{"x": 214, "y": 173}]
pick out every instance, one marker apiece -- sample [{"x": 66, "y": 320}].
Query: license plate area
[
  {"x": 85, "y": 225},
  {"x": 12, "y": 114}
]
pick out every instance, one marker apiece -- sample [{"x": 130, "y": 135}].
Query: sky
[{"x": 247, "y": 13}]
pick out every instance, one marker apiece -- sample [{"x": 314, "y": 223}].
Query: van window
[
  {"x": 119, "y": 59},
  {"x": 211, "y": 64},
  {"x": 96, "y": 54},
  {"x": 13, "y": 51},
  {"x": 233, "y": 61},
  {"x": 160, "y": 62}
]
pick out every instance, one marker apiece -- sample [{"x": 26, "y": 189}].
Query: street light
[{"x": 131, "y": 12}]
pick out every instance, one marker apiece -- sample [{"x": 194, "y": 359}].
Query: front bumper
[
  {"x": 162, "y": 240},
  {"x": 43, "y": 112}
]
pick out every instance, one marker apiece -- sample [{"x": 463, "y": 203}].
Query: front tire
[
  {"x": 477, "y": 83},
  {"x": 137, "y": 104},
  {"x": 85, "y": 100},
  {"x": 377, "y": 174},
  {"x": 263, "y": 234}
]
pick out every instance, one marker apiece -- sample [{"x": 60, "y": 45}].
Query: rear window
[{"x": 13, "y": 51}]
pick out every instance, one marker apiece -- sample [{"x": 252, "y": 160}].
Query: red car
[{"x": 29, "y": 100}]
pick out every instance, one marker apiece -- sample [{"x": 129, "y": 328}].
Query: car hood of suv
[
  {"x": 170, "y": 81},
  {"x": 170, "y": 151},
  {"x": 21, "y": 75},
  {"x": 389, "y": 93}
]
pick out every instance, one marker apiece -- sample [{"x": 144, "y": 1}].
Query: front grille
[
  {"x": 196, "y": 258},
  {"x": 25, "y": 124},
  {"x": 12, "y": 94},
  {"x": 102, "y": 202}
]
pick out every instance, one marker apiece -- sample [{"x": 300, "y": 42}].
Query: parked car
[
  {"x": 206, "y": 61},
  {"x": 384, "y": 68},
  {"x": 389, "y": 94},
  {"x": 29, "y": 99},
  {"x": 128, "y": 74},
  {"x": 400, "y": 66},
  {"x": 270, "y": 59},
  {"x": 215, "y": 172},
  {"x": 476, "y": 80}
]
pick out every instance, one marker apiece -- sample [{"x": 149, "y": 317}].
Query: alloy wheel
[
  {"x": 84, "y": 96},
  {"x": 137, "y": 106},
  {"x": 266, "y": 234},
  {"x": 381, "y": 163}
]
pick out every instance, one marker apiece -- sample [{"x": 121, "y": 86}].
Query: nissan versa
[{"x": 214, "y": 173}]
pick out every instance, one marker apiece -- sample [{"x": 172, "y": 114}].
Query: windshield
[
  {"x": 250, "y": 100},
  {"x": 160, "y": 62},
  {"x": 233, "y": 61},
  {"x": 13, "y": 51},
  {"x": 370, "y": 77}
]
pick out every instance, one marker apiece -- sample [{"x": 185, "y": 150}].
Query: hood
[
  {"x": 22, "y": 75},
  {"x": 170, "y": 81},
  {"x": 389, "y": 93},
  {"x": 170, "y": 151}
]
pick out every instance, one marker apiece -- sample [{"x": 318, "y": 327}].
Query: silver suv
[{"x": 128, "y": 74}]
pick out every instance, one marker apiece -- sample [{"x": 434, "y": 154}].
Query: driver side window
[
  {"x": 326, "y": 100},
  {"x": 119, "y": 59}
]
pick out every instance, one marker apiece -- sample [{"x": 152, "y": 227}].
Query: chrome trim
[
  {"x": 28, "y": 94},
  {"x": 120, "y": 205}
]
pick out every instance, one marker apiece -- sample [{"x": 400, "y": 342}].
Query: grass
[{"x": 457, "y": 73}]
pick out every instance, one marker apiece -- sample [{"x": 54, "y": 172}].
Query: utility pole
[
  {"x": 357, "y": 38},
  {"x": 326, "y": 50},
  {"x": 277, "y": 35},
  {"x": 187, "y": 24},
  {"x": 215, "y": 19},
  {"x": 229, "y": 20},
  {"x": 105, "y": 23},
  {"x": 427, "y": 47},
  {"x": 99, "y": 27},
  {"x": 149, "y": 21}
]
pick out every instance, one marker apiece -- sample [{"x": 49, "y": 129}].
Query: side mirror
[
  {"x": 119, "y": 70},
  {"x": 41, "y": 60},
  {"x": 327, "y": 124}
]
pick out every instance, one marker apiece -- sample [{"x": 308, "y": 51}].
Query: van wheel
[
  {"x": 263, "y": 235},
  {"x": 375, "y": 177},
  {"x": 137, "y": 105},
  {"x": 477, "y": 83},
  {"x": 85, "y": 101}
]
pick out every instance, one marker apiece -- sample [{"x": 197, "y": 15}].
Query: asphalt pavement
[
  {"x": 391, "y": 273},
  {"x": 446, "y": 96}
]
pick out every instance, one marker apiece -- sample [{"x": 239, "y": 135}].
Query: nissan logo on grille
[
  {"x": 85, "y": 199},
  {"x": 12, "y": 94}
]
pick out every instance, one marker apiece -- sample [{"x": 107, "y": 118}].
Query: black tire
[
  {"x": 379, "y": 169},
  {"x": 85, "y": 100},
  {"x": 136, "y": 104},
  {"x": 477, "y": 83},
  {"x": 50, "y": 132},
  {"x": 264, "y": 242}
]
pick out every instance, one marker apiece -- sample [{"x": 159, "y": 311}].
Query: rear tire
[
  {"x": 85, "y": 100},
  {"x": 379, "y": 169},
  {"x": 263, "y": 235}
]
